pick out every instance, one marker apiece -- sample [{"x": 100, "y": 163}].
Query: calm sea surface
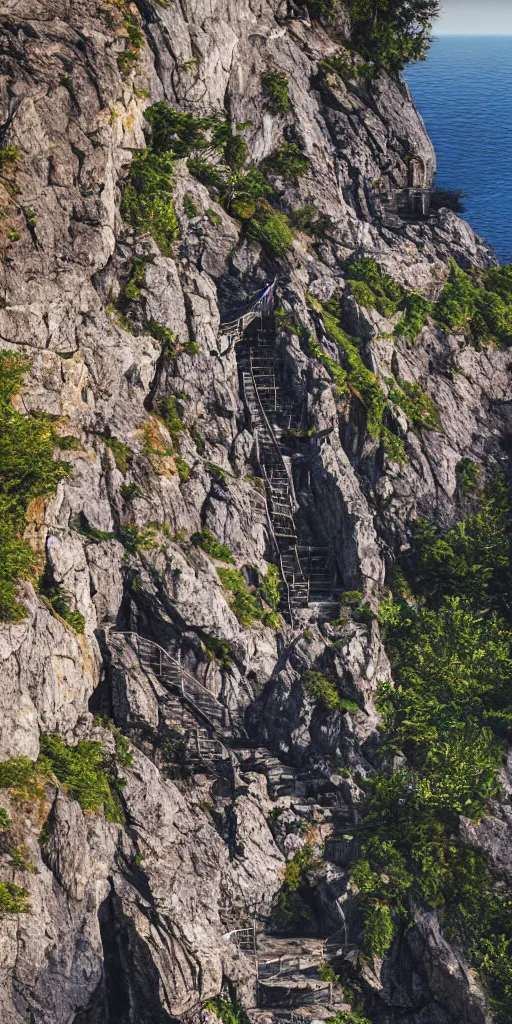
[{"x": 464, "y": 94}]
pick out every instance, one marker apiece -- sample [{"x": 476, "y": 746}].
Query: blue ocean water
[{"x": 464, "y": 94}]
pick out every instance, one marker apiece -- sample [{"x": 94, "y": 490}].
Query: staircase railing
[
  {"x": 287, "y": 512},
  {"x": 169, "y": 670}
]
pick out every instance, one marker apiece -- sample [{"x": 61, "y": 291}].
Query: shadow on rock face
[{"x": 129, "y": 992}]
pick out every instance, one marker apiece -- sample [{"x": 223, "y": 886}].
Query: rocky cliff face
[{"x": 128, "y": 919}]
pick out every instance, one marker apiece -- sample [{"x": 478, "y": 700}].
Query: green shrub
[
  {"x": 214, "y": 218},
  {"x": 417, "y": 406},
  {"x": 129, "y": 491},
  {"x": 361, "y": 381},
  {"x": 271, "y": 229},
  {"x": 337, "y": 373},
  {"x": 122, "y": 453},
  {"x": 348, "y": 1017},
  {"x": 135, "y": 539},
  {"x": 218, "y": 649},
  {"x": 8, "y": 155},
  {"x": 351, "y": 597},
  {"x": 307, "y": 218},
  {"x": 244, "y": 604},
  {"x": 417, "y": 309},
  {"x": 235, "y": 153},
  {"x": 227, "y": 1010},
  {"x": 467, "y": 476},
  {"x": 13, "y": 899},
  {"x": 59, "y": 599},
  {"x": 324, "y": 10},
  {"x": 344, "y": 64},
  {"x": 189, "y": 205},
  {"x": 393, "y": 446},
  {"x": 376, "y": 289},
  {"x": 271, "y": 586},
  {"x": 148, "y": 198},
  {"x": 129, "y": 57},
  {"x": 288, "y": 161},
  {"x": 86, "y": 771},
  {"x": 183, "y": 468},
  {"x": 483, "y": 311},
  {"x": 205, "y": 539},
  {"x": 28, "y": 471},
  {"x": 325, "y": 693},
  {"x": 170, "y": 416},
  {"x": 275, "y": 88},
  {"x": 295, "y": 875},
  {"x": 20, "y": 775},
  {"x": 450, "y": 646},
  {"x": 391, "y": 33}
]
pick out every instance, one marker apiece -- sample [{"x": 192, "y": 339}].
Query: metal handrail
[
  {"x": 184, "y": 674},
  {"x": 271, "y": 525}
]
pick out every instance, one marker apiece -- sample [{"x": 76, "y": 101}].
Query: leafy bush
[
  {"x": 28, "y": 471},
  {"x": 247, "y": 606},
  {"x": 170, "y": 416},
  {"x": 86, "y": 771},
  {"x": 271, "y": 586},
  {"x": 483, "y": 310},
  {"x": 416, "y": 311},
  {"x": 275, "y": 87},
  {"x": 235, "y": 154},
  {"x": 130, "y": 56},
  {"x": 467, "y": 476},
  {"x": 206, "y": 540},
  {"x": 361, "y": 381},
  {"x": 295, "y": 874},
  {"x": 59, "y": 599},
  {"x": 135, "y": 539},
  {"x": 218, "y": 649},
  {"x": 20, "y": 775},
  {"x": 271, "y": 229},
  {"x": 189, "y": 205},
  {"x": 288, "y": 161},
  {"x": 148, "y": 198},
  {"x": 227, "y": 1010},
  {"x": 391, "y": 33},
  {"x": 129, "y": 491},
  {"x": 344, "y": 64},
  {"x": 122, "y": 453},
  {"x": 324, "y": 692},
  {"x": 13, "y": 899},
  {"x": 307, "y": 218},
  {"x": 372, "y": 287},
  {"x": 417, "y": 406},
  {"x": 183, "y": 468},
  {"x": 450, "y": 649},
  {"x": 449, "y": 198}
]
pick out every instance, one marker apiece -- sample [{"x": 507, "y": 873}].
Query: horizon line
[{"x": 499, "y": 35}]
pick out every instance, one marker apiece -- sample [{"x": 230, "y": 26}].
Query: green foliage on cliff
[
  {"x": 59, "y": 599},
  {"x": 275, "y": 87},
  {"x": 227, "y": 1010},
  {"x": 13, "y": 899},
  {"x": 122, "y": 453},
  {"x": 205, "y": 540},
  {"x": 288, "y": 161},
  {"x": 272, "y": 229},
  {"x": 325, "y": 693},
  {"x": 247, "y": 604},
  {"x": 372, "y": 287},
  {"x": 295, "y": 874},
  {"x": 450, "y": 648},
  {"x": 148, "y": 198},
  {"x": 28, "y": 471},
  {"x": 88, "y": 773}
]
